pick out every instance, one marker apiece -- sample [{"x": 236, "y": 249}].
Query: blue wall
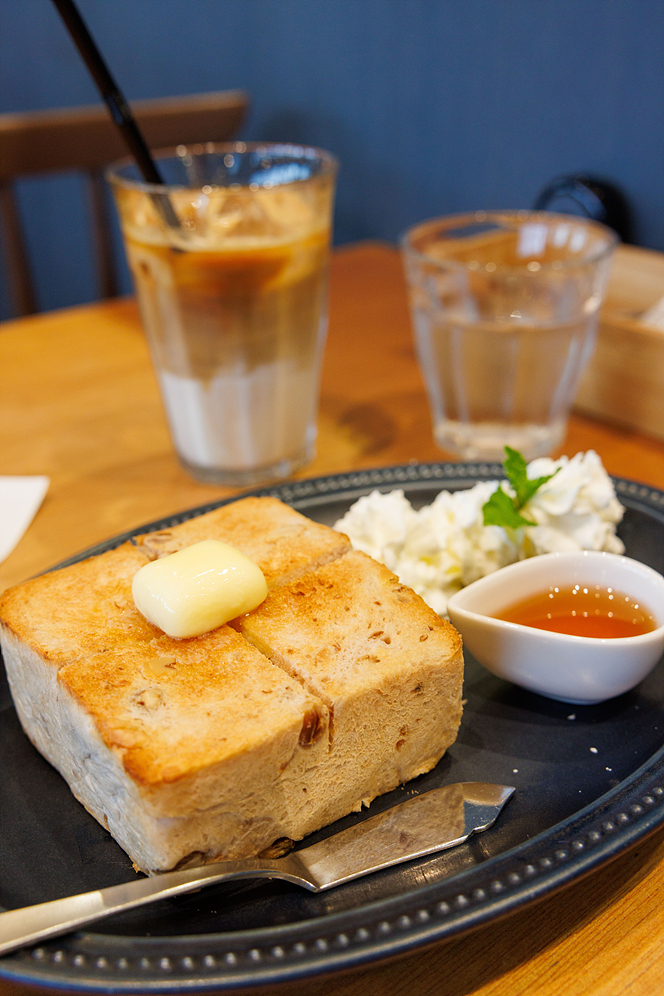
[{"x": 432, "y": 106}]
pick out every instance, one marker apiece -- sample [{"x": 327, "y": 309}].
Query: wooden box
[{"x": 624, "y": 382}]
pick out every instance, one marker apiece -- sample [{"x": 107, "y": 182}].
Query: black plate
[{"x": 589, "y": 780}]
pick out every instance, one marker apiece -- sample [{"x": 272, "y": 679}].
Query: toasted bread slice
[
  {"x": 78, "y": 610},
  {"x": 284, "y": 543},
  {"x": 388, "y": 668},
  {"x": 185, "y": 750}
]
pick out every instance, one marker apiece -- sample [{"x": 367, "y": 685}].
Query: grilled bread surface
[
  {"x": 281, "y": 541},
  {"x": 80, "y": 609}
]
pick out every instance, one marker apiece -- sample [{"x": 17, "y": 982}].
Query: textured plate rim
[{"x": 383, "y": 928}]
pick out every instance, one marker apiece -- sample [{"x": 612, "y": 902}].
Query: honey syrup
[{"x": 582, "y": 610}]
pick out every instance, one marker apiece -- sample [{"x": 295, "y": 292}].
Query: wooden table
[{"x": 78, "y": 402}]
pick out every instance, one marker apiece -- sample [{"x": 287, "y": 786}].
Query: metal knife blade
[{"x": 423, "y": 824}]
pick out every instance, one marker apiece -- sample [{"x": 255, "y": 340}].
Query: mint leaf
[
  {"x": 501, "y": 509},
  {"x": 516, "y": 469}
]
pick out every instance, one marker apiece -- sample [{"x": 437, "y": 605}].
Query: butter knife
[{"x": 423, "y": 824}]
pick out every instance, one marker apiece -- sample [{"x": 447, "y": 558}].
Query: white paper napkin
[{"x": 20, "y": 497}]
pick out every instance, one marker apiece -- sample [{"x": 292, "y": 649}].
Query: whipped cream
[{"x": 444, "y": 546}]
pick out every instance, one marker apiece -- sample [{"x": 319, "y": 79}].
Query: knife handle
[{"x": 21, "y": 927}]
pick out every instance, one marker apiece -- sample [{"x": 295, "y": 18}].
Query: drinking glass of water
[{"x": 504, "y": 307}]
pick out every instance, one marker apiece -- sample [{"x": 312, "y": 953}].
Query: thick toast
[{"x": 340, "y": 686}]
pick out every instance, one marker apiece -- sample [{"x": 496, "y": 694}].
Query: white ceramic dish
[{"x": 577, "y": 669}]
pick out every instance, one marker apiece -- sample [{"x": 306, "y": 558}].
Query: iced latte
[{"x": 233, "y": 298}]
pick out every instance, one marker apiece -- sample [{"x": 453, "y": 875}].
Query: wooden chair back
[{"x": 85, "y": 139}]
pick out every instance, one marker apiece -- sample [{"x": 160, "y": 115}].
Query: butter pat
[{"x": 197, "y": 589}]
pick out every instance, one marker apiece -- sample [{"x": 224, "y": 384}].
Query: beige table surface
[{"x": 78, "y": 402}]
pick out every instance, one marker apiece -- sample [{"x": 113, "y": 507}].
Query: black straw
[{"x": 116, "y": 103}]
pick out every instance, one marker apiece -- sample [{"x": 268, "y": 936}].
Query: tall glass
[
  {"x": 504, "y": 308},
  {"x": 230, "y": 263}
]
